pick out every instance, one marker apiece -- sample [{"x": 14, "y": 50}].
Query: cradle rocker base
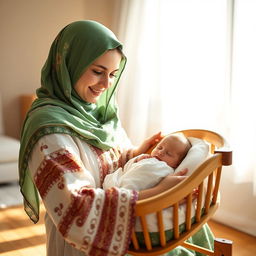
[{"x": 222, "y": 247}]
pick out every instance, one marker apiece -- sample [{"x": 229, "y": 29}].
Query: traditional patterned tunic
[{"x": 82, "y": 218}]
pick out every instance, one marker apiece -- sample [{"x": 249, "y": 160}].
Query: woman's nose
[{"x": 106, "y": 82}]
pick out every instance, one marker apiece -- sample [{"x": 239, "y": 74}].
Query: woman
[{"x": 72, "y": 138}]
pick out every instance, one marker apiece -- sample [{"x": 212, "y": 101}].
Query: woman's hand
[
  {"x": 172, "y": 179},
  {"x": 147, "y": 144},
  {"x": 168, "y": 182}
]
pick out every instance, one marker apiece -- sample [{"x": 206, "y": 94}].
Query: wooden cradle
[{"x": 208, "y": 173}]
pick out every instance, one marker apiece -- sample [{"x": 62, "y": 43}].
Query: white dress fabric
[{"x": 82, "y": 218}]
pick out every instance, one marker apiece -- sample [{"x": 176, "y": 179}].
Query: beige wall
[{"x": 27, "y": 29}]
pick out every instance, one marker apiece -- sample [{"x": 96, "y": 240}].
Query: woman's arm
[
  {"x": 89, "y": 218},
  {"x": 168, "y": 182}
]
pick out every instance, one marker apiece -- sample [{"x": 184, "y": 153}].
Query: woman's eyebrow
[{"x": 105, "y": 68}]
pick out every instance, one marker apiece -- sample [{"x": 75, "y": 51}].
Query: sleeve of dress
[{"x": 92, "y": 220}]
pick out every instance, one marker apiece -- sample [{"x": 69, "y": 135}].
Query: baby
[
  {"x": 146, "y": 170},
  {"x": 172, "y": 149}
]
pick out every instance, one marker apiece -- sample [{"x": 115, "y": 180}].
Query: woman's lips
[{"x": 96, "y": 92}]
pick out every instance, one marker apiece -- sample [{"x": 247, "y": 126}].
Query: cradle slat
[
  {"x": 176, "y": 220},
  {"x": 217, "y": 185},
  {"x": 161, "y": 228},
  {"x": 135, "y": 241},
  {"x": 145, "y": 232},
  {"x": 208, "y": 193},
  {"x": 199, "y": 202},
  {"x": 188, "y": 211}
]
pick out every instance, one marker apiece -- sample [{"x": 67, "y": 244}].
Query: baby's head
[{"x": 172, "y": 149}]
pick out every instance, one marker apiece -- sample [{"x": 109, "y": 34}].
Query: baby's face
[{"x": 169, "y": 150}]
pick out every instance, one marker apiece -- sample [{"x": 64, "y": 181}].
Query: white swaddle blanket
[
  {"x": 139, "y": 175},
  {"x": 148, "y": 172}
]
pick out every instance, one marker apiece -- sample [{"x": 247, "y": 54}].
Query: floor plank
[
  {"x": 20, "y": 237},
  {"x": 243, "y": 244}
]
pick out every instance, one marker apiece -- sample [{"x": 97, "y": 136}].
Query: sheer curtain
[
  {"x": 187, "y": 69},
  {"x": 243, "y": 103}
]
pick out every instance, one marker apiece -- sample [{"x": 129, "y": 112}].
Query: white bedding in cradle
[{"x": 148, "y": 172}]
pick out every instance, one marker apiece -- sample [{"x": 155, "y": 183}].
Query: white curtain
[
  {"x": 191, "y": 65},
  {"x": 243, "y": 93}
]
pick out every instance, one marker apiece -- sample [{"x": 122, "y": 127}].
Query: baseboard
[{"x": 238, "y": 222}]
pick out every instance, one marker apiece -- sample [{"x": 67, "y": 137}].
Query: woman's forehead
[{"x": 110, "y": 58}]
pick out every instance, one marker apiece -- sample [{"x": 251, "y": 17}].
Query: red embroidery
[
  {"x": 61, "y": 184},
  {"x": 97, "y": 207},
  {"x": 86, "y": 243},
  {"x": 44, "y": 146},
  {"x": 120, "y": 232},
  {"x": 115, "y": 248},
  {"x": 116, "y": 158},
  {"x": 104, "y": 165},
  {"x": 58, "y": 210},
  {"x": 78, "y": 210},
  {"x": 131, "y": 219},
  {"x": 124, "y": 197},
  {"x": 106, "y": 228},
  {"x": 92, "y": 226},
  {"x": 122, "y": 212},
  {"x": 52, "y": 168}
]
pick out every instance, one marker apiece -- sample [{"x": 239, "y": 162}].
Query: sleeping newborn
[
  {"x": 146, "y": 170},
  {"x": 172, "y": 153}
]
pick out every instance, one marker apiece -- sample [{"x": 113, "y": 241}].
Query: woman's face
[{"x": 99, "y": 76}]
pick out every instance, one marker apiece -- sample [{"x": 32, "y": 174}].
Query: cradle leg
[{"x": 222, "y": 247}]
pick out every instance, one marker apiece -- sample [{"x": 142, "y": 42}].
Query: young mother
[{"x": 72, "y": 138}]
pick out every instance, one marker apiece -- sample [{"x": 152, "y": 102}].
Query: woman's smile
[
  {"x": 99, "y": 76},
  {"x": 96, "y": 92}
]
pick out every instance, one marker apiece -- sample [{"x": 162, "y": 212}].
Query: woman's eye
[
  {"x": 97, "y": 72},
  {"x": 113, "y": 75}
]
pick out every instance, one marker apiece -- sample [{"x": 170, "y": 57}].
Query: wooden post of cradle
[{"x": 222, "y": 247}]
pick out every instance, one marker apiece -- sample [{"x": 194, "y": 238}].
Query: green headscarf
[{"x": 59, "y": 109}]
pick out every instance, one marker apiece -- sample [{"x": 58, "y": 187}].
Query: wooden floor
[{"x": 19, "y": 236}]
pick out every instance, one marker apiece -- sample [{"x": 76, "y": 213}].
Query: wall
[
  {"x": 238, "y": 205},
  {"x": 27, "y": 29}
]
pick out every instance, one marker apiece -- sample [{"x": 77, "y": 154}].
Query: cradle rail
[{"x": 207, "y": 175}]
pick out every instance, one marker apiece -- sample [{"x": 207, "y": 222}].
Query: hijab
[{"x": 59, "y": 109}]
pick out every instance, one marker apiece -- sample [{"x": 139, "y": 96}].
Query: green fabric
[
  {"x": 59, "y": 109},
  {"x": 203, "y": 238}
]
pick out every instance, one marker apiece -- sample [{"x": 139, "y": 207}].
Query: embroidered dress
[{"x": 81, "y": 217}]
